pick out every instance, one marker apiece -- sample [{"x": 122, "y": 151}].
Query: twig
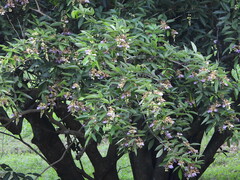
[
  {"x": 9, "y": 120},
  {"x": 40, "y": 12},
  {"x": 51, "y": 165},
  {"x": 38, "y": 7},
  {"x": 179, "y": 64},
  {"x": 28, "y": 145},
  {"x": 121, "y": 168},
  {"x": 13, "y": 26},
  {"x": 23, "y": 35},
  {"x": 64, "y": 130}
]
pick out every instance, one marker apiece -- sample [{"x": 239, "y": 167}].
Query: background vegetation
[{"x": 150, "y": 84}]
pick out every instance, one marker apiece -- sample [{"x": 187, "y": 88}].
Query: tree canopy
[{"x": 149, "y": 77}]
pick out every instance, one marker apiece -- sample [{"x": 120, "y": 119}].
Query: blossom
[
  {"x": 212, "y": 75},
  {"x": 213, "y": 108},
  {"x": 164, "y": 25},
  {"x": 2, "y": 11},
  {"x": 122, "y": 42},
  {"x": 133, "y": 130},
  {"x": 168, "y": 134},
  {"x": 166, "y": 84},
  {"x": 226, "y": 103},
  {"x": 75, "y": 85},
  {"x": 126, "y": 94},
  {"x": 111, "y": 113},
  {"x": 139, "y": 142},
  {"x": 42, "y": 106},
  {"x": 168, "y": 120},
  {"x": 122, "y": 83},
  {"x": 88, "y": 51},
  {"x": 98, "y": 73}
]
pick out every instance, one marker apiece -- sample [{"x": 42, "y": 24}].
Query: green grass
[
  {"x": 224, "y": 168},
  {"x": 21, "y": 159}
]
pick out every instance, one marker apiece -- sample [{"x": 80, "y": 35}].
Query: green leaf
[
  {"x": 160, "y": 152},
  {"x": 7, "y": 176},
  {"x": 194, "y": 47},
  {"x": 180, "y": 174},
  {"x": 234, "y": 74},
  {"x": 216, "y": 84}
]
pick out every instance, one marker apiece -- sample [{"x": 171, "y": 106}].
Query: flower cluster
[
  {"x": 179, "y": 74},
  {"x": 125, "y": 95},
  {"x": 12, "y": 4},
  {"x": 166, "y": 84},
  {"x": 75, "y": 86},
  {"x": 61, "y": 56},
  {"x": 164, "y": 25},
  {"x": 157, "y": 102},
  {"x": 214, "y": 108},
  {"x": 122, "y": 83},
  {"x": 205, "y": 75},
  {"x": 111, "y": 113},
  {"x": 90, "y": 52},
  {"x": 168, "y": 120},
  {"x": 191, "y": 171},
  {"x": 226, "y": 125},
  {"x": 31, "y": 51},
  {"x": 2, "y": 11},
  {"x": 42, "y": 106},
  {"x": 130, "y": 143},
  {"x": 76, "y": 106},
  {"x": 236, "y": 48},
  {"x": 122, "y": 41},
  {"x": 83, "y": 1},
  {"x": 132, "y": 131},
  {"x": 98, "y": 74}
]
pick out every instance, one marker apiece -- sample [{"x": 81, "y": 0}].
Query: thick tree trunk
[
  {"x": 214, "y": 144},
  {"x": 48, "y": 142},
  {"x": 142, "y": 166},
  {"x": 105, "y": 168}
]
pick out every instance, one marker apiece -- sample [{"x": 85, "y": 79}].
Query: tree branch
[{"x": 214, "y": 144}]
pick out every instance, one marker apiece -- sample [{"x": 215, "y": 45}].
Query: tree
[{"x": 121, "y": 74}]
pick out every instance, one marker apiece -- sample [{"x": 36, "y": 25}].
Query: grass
[{"x": 21, "y": 159}]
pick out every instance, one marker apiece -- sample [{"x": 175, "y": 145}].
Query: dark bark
[
  {"x": 142, "y": 165},
  {"x": 214, "y": 144},
  {"x": 10, "y": 124},
  {"x": 105, "y": 167},
  {"x": 48, "y": 142}
]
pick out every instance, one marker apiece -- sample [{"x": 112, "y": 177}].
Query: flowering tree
[{"x": 118, "y": 79}]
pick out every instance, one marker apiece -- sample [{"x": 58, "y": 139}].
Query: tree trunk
[
  {"x": 48, "y": 142},
  {"x": 105, "y": 168},
  {"x": 142, "y": 166}
]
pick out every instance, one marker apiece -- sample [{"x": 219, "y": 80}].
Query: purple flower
[
  {"x": 66, "y": 33},
  {"x": 168, "y": 135},
  {"x": 170, "y": 166},
  {"x": 237, "y": 50},
  {"x": 151, "y": 125},
  {"x": 224, "y": 127},
  {"x": 180, "y": 76},
  {"x": 104, "y": 122},
  {"x": 209, "y": 111}
]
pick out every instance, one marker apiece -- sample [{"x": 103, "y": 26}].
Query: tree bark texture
[{"x": 49, "y": 143}]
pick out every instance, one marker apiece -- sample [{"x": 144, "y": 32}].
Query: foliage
[
  {"x": 14, "y": 175},
  {"x": 123, "y": 80}
]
